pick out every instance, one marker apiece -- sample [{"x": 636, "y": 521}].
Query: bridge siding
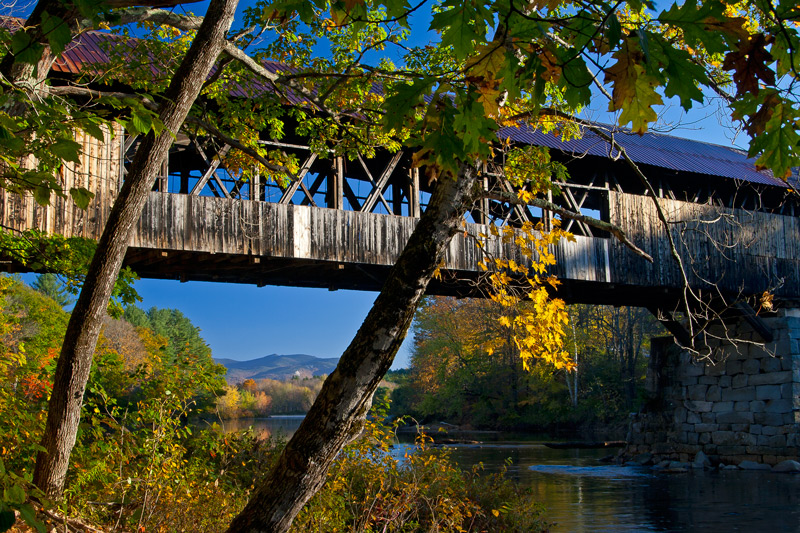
[
  {"x": 752, "y": 249},
  {"x": 766, "y": 247}
]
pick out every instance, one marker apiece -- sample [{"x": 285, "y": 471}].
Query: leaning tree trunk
[
  {"x": 74, "y": 363},
  {"x": 339, "y": 411}
]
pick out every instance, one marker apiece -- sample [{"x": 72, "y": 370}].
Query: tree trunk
[
  {"x": 338, "y": 414},
  {"x": 74, "y": 363},
  {"x": 29, "y": 77}
]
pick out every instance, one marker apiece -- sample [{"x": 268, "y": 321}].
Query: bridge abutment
[{"x": 740, "y": 403}]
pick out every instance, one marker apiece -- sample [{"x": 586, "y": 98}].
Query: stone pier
[{"x": 740, "y": 403}]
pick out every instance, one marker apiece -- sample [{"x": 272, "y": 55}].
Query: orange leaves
[
  {"x": 634, "y": 90},
  {"x": 749, "y": 64}
]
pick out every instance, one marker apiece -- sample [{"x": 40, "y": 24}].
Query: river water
[{"x": 583, "y": 495}]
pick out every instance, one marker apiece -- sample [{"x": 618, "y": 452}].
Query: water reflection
[
  {"x": 279, "y": 426},
  {"x": 582, "y": 495}
]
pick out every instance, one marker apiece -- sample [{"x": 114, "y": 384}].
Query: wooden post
[
  {"x": 163, "y": 178},
  {"x": 255, "y": 186},
  {"x": 335, "y": 195},
  {"x": 413, "y": 197},
  {"x": 484, "y": 218}
]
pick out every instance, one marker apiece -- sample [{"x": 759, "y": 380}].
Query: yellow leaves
[
  {"x": 638, "y": 107},
  {"x": 437, "y": 273},
  {"x": 482, "y": 71},
  {"x": 535, "y": 321},
  {"x": 766, "y": 301}
]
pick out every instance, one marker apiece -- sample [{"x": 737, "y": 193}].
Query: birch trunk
[
  {"x": 338, "y": 414},
  {"x": 75, "y": 360}
]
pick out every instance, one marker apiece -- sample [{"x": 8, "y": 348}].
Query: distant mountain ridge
[{"x": 276, "y": 366}]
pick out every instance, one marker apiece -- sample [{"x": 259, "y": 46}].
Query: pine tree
[{"x": 49, "y": 285}]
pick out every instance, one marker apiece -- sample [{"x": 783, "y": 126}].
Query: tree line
[
  {"x": 263, "y": 397},
  {"x": 465, "y": 369}
]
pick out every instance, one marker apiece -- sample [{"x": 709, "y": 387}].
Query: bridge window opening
[{"x": 424, "y": 199}]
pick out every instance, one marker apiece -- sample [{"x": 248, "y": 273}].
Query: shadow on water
[{"x": 581, "y": 494}]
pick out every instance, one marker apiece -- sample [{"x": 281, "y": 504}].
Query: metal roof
[
  {"x": 665, "y": 151},
  {"x": 655, "y": 149}
]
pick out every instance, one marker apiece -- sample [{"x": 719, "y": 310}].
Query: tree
[
  {"x": 49, "y": 285},
  {"x": 74, "y": 363},
  {"x": 497, "y": 62}
]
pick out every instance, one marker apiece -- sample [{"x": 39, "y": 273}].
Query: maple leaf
[
  {"x": 490, "y": 60},
  {"x": 757, "y": 116},
  {"x": 634, "y": 90},
  {"x": 778, "y": 143},
  {"x": 622, "y": 75},
  {"x": 489, "y": 96},
  {"x": 749, "y": 63}
]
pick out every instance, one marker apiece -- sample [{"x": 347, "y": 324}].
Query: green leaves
[
  {"x": 67, "y": 149},
  {"x": 81, "y": 196},
  {"x": 404, "y": 100},
  {"x": 694, "y": 19},
  {"x": 778, "y": 144},
  {"x": 634, "y": 90},
  {"x": 461, "y": 25},
  {"x": 57, "y": 32},
  {"x": 25, "y": 49}
]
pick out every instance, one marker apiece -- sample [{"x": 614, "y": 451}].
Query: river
[{"x": 582, "y": 495}]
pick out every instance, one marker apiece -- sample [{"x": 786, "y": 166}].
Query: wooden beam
[
  {"x": 292, "y": 188},
  {"x": 576, "y": 206},
  {"x": 351, "y": 196},
  {"x": 335, "y": 195},
  {"x": 677, "y": 329},
  {"x": 211, "y": 170},
  {"x": 414, "y": 209},
  {"x": 376, "y": 193},
  {"x": 314, "y": 188},
  {"x": 755, "y": 321}
]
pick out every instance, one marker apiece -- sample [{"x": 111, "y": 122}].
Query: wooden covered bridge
[{"x": 344, "y": 222}]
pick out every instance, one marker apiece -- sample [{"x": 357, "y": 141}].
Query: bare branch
[
  {"x": 616, "y": 231},
  {"x": 132, "y": 15},
  {"x": 72, "y": 90},
  {"x": 251, "y": 64}
]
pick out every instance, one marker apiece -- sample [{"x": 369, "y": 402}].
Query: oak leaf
[{"x": 749, "y": 64}]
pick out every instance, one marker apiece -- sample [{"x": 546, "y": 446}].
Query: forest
[
  {"x": 149, "y": 456},
  {"x": 466, "y": 370}
]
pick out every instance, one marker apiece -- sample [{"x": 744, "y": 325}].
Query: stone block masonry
[{"x": 740, "y": 403}]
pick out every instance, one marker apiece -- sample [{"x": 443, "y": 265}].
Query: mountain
[{"x": 277, "y": 367}]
